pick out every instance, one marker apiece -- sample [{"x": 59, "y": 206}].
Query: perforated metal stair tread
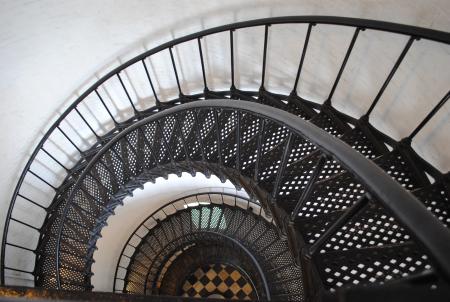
[
  {"x": 329, "y": 122},
  {"x": 371, "y": 265},
  {"x": 399, "y": 167},
  {"x": 297, "y": 106},
  {"x": 436, "y": 198},
  {"x": 363, "y": 142},
  {"x": 232, "y": 144}
]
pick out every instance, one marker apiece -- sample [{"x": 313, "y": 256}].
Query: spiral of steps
[
  {"x": 347, "y": 209},
  {"x": 216, "y": 229}
]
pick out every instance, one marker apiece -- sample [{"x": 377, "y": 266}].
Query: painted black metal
[
  {"x": 412, "y": 32},
  {"x": 391, "y": 74},
  {"x": 308, "y": 189},
  {"x": 302, "y": 59},
  {"x": 343, "y": 219},
  {"x": 250, "y": 204},
  {"x": 344, "y": 62},
  {"x": 223, "y": 231},
  {"x": 383, "y": 188},
  {"x": 429, "y": 116}
]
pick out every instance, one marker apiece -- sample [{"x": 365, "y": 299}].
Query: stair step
[
  {"x": 243, "y": 95},
  {"x": 312, "y": 228},
  {"x": 329, "y": 122},
  {"x": 370, "y": 265},
  {"x": 365, "y": 143},
  {"x": 373, "y": 226},
  {"x": 436, "y": 198},
  {"x": 401, "y": 168},
  {"x": 299, "y": 107},
  {"x": 272, "y": 99},
  {"x": 333, "y": 194}
]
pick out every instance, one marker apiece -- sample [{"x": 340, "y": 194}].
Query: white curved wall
[
  {"x": 135, "y": 210},
  {"x": 51, "y": 51}
]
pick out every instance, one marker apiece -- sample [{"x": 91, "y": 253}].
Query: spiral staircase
[
  {"x": 337, "y": 210},
  {"x": 184, "y": 231}
]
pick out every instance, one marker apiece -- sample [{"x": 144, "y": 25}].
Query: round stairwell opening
[
  {"x": 135, "y": 209},
  {"x": 209, "y": 245},
  {"x": 207, "y": 270}
]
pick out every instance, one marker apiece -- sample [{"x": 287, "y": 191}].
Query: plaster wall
[{"x": 51, "y": 51}]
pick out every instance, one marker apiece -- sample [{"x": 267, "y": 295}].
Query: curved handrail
[
  {"x": 161, "y": 208},
  {"x": 412, "y": 31},
  {"x": 247, "y": 252},
  {"x": 405, "y": 207}
]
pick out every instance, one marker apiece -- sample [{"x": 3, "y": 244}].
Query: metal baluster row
[{"x": 71, "y": 141}]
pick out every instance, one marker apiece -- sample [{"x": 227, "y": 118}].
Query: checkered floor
[{"x": 218, "y": 280}]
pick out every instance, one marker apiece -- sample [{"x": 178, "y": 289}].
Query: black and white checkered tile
[{"x": 218, "y": 280}]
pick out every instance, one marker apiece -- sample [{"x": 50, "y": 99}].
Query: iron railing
[
  {"x": 200, "y": 140},
  {"x": 413, "y": 33},
  {"x": 189, "y": 201}
]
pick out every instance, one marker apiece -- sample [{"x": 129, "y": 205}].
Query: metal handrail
[
  {"x": 412, "y": 31},
  {"x": 161, "y": 208},
  {"x": 382, "y": 188}
]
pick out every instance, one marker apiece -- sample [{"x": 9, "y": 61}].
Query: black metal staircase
[
  {"x": 355, "y": 207},
  {"x": 215, "y": 228}
]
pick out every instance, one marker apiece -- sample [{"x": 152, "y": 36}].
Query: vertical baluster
[
  {"x": 263, "y": 76},
  {"x": 89, "y": 195},
  {"x": 89, "y": 126},
  {"x": 26, "y": 224},
  {"x": 157, "y": 101},
  {"x": 128, "y": 95},
  {"x": 210, "y": 217},
  {"x": 203, "y": 65},
  {"x": 238, "y": 228},
  {"x": 132, "y": 148},
  {"x": 106, "y": 107},
  {"x": 175, "y": 71},
  {"x": 43, "y": 180},
  {"x": 344, "y": 62},
  {"x": 302, "y": 59},
  {"x": 222, "y": 213},
  {"x": 70, "y": 141},
  {"x": 54, "y": 159},
  {"x": 429, "y": 116},
  {"x": 31, "y": 201},
  {"x": 233, "y": 87},
  {"x": 199, "y": 213},
  {"x": 391, "y": 74},
  {"x": 111, "y": 173},
  {"x": 255, "y": 223},
  {"x": 21, "y": 247}
]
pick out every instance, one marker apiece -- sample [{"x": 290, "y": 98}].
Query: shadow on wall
[
  {"x": 328, "y": 45},
  {"x": 369, "y": 64},
  {"x": 320, "y": 69}
]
